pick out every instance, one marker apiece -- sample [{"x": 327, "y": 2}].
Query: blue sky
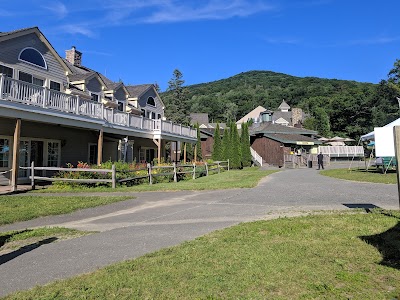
[{"x": 143, "y": 41}]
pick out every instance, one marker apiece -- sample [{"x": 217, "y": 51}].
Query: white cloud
[
  {"x": 78, "y": 29},
  {"x": 375, "y": 41},
  {"x": 282, "y": 40},
  {"x": 212, "y": 10},
  {"x": 57, "y": 8}
]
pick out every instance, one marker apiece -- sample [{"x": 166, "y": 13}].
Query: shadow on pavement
[
  {"x": 9, "y": 256},
  {"x": 366, "y": 206}
]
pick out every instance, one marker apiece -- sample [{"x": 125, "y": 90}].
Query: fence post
[
  {"x": 219, "y": 171},
  {"x": 228, "y": 164},
  {"x": 149, "y": 172},
  {"x": 206, "y": 168},
  {"x": 113, "y": 176},
  {"x": 33, "y": 175},
  {"x": 194, "y": 171},
  {"x": 175, "y": 177}
]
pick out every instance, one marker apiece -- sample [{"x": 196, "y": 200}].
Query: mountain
[{"x": 347, "y": 108}]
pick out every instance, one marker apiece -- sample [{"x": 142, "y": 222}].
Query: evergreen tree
[
  {"x": 235, "y": 153},
  {"x": 217, "y": 147},
  {"x": 226, "y": 140},
  {"x": 176, "y": 99},
  {"x": 199, "y": 154},
  {"x": 245, "y": 143}
]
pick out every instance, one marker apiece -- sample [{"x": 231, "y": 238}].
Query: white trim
[{"x": 30, "y": 63}]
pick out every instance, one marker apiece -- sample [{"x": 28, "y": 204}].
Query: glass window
[
  {"x": 120, "y": 106},
  {"x": 159, "y": 116},
  {"x": 30, "y": 79},
  {"x": 150, "y": 101},
  {"x": 6, "y": 70},
  {"x": 4, "y": 152},
  {"x": 153, "y": 115},
  {"x": 143, "y": 112},
  {"x": 55, "y": 86},
  {"x": 32, "y": 56},
  {"x": 95, "y": 97},
  {"x": 52, "y": 154}
]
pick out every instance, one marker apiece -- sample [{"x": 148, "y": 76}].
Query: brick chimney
[{"x": 74, "y": 56}]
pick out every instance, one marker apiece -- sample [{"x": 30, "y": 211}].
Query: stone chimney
[
  {"x": 297, "y": 116},
  {"x": 74, "y": 56}
]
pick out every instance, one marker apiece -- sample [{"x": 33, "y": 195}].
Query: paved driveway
[{"x": 156, "y": 220}]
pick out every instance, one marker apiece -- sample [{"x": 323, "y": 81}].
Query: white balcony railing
[{"x": 26, "y": 93}]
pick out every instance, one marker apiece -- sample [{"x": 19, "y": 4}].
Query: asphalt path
[{"x": 155, "y": 220}]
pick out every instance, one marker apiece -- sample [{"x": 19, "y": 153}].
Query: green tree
[
  {"x": 217, "y": 146},
  {"x": 235, "y": 160},
  {"x": 199, "y": 154},
  {"x": 321, "y": 121},
  {"x": 176, "y": 99},
  {"x": 245, "y": 143},
  {"x": 226, "y": 141}
]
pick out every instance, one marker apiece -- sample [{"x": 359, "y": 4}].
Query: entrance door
[{"x": 37, "y": 148}]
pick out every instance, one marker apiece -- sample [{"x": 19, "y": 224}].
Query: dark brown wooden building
[{"x": 272, "y": 141}]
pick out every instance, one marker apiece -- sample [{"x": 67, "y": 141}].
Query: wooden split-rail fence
[{"x": 176, "y": 169}]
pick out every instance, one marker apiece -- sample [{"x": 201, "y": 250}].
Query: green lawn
[
  {"x": 324, "y": 256},
  {"x": 246, "y": 178},
  {"x": 22, "y": 208},
  {"x": 371, "y": 175}
]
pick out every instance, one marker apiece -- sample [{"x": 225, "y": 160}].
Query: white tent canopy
[{"x": 371, "y": 135}]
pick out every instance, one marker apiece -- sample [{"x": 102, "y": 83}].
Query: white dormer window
[
  {"x": 151, "y": 101},
  {"x": 32, "y": 56},
  {"x": 95, "y": 97}
]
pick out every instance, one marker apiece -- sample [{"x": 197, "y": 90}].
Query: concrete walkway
[{"x": 155, "y": 220}]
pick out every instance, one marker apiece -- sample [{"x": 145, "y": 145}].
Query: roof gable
[{"x": 21, "y": 32}]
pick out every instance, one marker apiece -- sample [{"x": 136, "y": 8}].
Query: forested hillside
[{"x": 335, "y": 106}]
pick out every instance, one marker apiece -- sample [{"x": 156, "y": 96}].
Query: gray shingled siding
[
  {"x": 10, "y": 50},
  {"x": 94, "y": 85},
  {"x": 120, "y": 94},
  {"x": 143, "y": 102}
]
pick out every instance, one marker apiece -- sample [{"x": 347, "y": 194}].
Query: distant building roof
[
  {"x": 292, "y": 139},
  {"x": 200, "y": 118},
  {"x": 268, "y": 127},
  {"x": 284, "y": 106},
  {"x": 255, "y": 113}
]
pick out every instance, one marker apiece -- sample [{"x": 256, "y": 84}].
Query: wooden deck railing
[{"x": 30, "y": 94}]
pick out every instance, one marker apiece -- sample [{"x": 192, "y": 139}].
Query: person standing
[{"x": 320, "y": 159}]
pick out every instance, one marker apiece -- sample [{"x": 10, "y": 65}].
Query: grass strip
[
  {"x": 362, "y": 175},
  {"x": 325, "y": 256},
  {"x": 22, "y": 208},
  {"x": 246, "y": 178}
]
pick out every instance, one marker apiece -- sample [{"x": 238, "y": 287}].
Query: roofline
[
  {"x": 316, "y": 142},
  {"x": 41, "y": 36}
]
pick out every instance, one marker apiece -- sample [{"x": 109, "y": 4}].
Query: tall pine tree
[
  {"x": 245, "y": 143},
  {"x": 235, "y": 152},
  {"x": 199, "y": 155},
  {"x": 226, "y": 141},
  {"x": 217, "y": 147},
  {"x": 176, "y": 99}
]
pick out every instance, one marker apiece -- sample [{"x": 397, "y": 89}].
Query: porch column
[
  {"x": 195, "y": 153},
  {"x": 100, "y": 148},
  {"x": 158, "y": 144},
  {"x": 15, "y": 160},
  {"x": 184, "y": 154},
  {"x": 176, "y": 151}
]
